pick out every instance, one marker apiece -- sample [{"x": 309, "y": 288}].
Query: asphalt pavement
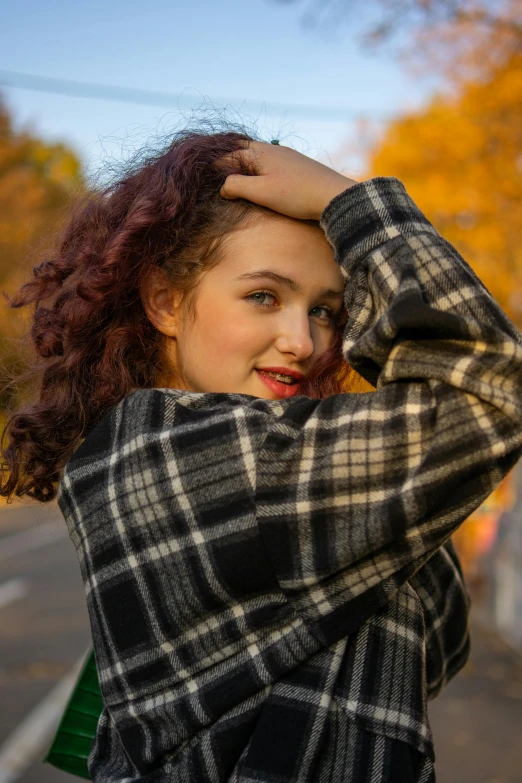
[{"x": 44, "y": 630}]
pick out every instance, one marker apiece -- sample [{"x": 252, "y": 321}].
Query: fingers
[
  {"x": 247, "y": 186},
  {"x": 227, "y": 189},
  {"x": 237, "y": 186},
  {"x": 248, "y": 151}
]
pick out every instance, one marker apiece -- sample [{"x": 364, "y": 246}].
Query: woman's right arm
[{"x": 356, "y": 492}]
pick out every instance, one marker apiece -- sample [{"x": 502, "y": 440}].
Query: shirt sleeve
[
  {"x": 439, "y": 583},
  {"x": 355, "y": 492}
]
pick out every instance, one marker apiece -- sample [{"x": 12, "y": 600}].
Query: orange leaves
[
  {"x": 37, "y": 181},
  {"x": 461, "y": 161},
  {"x": 36, "y": 184}
]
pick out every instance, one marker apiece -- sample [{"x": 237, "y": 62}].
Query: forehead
[{"x": 291, "y": 247}]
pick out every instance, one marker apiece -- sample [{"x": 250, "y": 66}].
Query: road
[
  {"x": 44, "y": 631},
  {"x": 477, "y": 720}
]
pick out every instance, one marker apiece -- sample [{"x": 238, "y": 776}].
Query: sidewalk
[{"x": 477, "y": 720}]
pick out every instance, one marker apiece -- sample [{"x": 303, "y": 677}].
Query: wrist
[{"x": 341, "y": 184}]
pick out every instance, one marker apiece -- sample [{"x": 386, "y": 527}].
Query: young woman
[{"x": 271, "y": 586}]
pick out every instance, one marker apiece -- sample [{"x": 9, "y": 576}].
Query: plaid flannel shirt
[{"x": 271, "y": 585}]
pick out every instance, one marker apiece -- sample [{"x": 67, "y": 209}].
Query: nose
[{"x": 294, "y": 335}]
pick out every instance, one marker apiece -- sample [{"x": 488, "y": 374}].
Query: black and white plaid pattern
[{"x": 271, "y": 585}]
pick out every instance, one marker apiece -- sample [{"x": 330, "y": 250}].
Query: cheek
[{"x": 227, "y": 330}]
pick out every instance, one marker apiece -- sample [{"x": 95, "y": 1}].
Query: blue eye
[{"x": 329, "y": 311}]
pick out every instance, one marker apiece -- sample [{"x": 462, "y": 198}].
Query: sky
[{"x": 255, "y": 60}]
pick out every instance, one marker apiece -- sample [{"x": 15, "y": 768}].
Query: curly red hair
[{"x": 93, "y": 341}]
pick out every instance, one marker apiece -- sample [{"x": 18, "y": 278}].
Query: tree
[
  {"x": 461, "y": 160},
  {"x": 37, "y": 183},
  {"x": 454, "y": 38}
]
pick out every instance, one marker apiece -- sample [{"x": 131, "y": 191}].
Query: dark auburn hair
[{"x": 94, "y": 343}]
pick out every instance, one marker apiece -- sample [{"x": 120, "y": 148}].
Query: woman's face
[{"x": 246, "y": 320}]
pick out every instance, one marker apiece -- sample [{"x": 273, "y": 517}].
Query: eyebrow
[{"x": 287, "y": 281}]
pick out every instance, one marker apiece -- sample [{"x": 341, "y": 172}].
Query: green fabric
[{"x": 75, "y": 734}]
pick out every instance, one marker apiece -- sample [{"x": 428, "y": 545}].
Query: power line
[{"x": 108, "y": 92}]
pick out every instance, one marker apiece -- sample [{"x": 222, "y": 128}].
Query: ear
[{"x": 161, "y": 302}]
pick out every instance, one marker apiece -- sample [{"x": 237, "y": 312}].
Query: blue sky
[{"x": 254, "y": 53}]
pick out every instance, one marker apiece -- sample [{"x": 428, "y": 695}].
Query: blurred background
[{"x": 429, "y": 91}]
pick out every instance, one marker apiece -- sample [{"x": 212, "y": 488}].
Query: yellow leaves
[
  {"x": 36, "y": 181},
  {"x": 65, "y": 169},
  {"x": 460, "y": 40},
  {"x": 461, "y": 161},
  {"x": 36, "y": 184}
]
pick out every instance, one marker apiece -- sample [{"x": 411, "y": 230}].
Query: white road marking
[
  {"x": 31, "y": 739},
  {"x": 12, "y": 591},
  {"x": 34, "y": 538}
]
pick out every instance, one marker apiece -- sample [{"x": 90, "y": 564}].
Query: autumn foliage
[
  {"x": 37, "y": 184},
  {"x": 461, "y": 161}
]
